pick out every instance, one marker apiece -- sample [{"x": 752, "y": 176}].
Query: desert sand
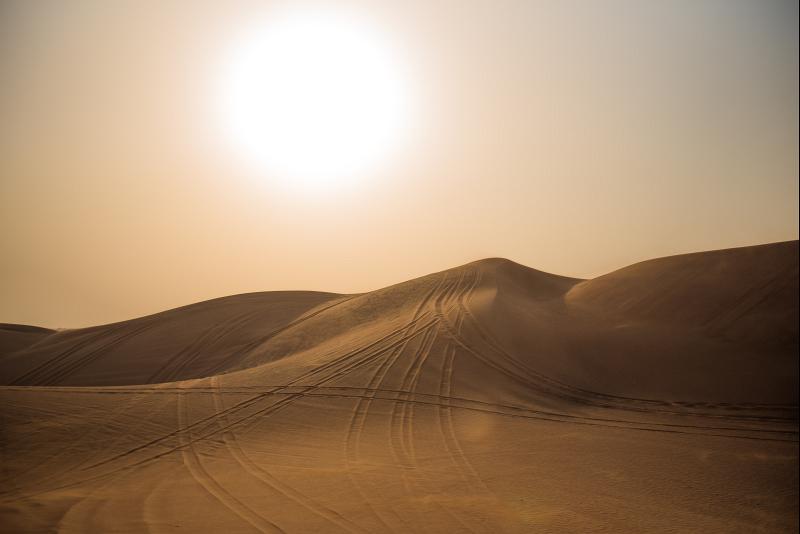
[{"x": 491, "y": 397}]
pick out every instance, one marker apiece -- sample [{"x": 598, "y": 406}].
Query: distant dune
[{"x": 661, "y": 397}]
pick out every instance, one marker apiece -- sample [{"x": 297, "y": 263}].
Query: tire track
[
  {"x": 64, "y": 371},
  {"x": 340, "y": 366},
  {"x": 437, "y": 401},
  {"x": 404, "y": 411},
  {"x": 752, "y": 407},
  {"x": 403, "y": 420},
  {"x": 262, "y": 474},
  {"x": 511, "y": 410},
  {"x": 267, "y": 389},
  {"x": 195, "y": 467},
  {"x": 62, "y": 366},
  {"x": 91, "y": 436},
  {"x": 446, "y": 423},
  {"x": 790, "y": 425},
  {"x": 348, "y": 362},
  {"x": 396, "y": 424},
  {"x": 249, "y": 347},
  {"x": 271, "y": 409},
  {"x": 175, "y": 364},
  {"x": 41, "y": 369},
  {"x": 358, "y": 418},
  {"x": 527, "y": 376},
  {"x": 410, "y": 381},
  {"x": 527, "y": 413},
  {"x": 376, "y": 380}
]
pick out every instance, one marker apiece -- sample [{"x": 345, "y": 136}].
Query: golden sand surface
[{"x": 662, "y": 397}]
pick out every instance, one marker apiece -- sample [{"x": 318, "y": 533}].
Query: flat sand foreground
[{"x": 490, "y": 398}]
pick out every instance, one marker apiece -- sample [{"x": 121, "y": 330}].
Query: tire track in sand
[
  {"x": 462, "y": 403},
  {"x": 400, "y": 429},
  {"x": 359, "y": 416},
  {"x": 411, "y": 378},
  {"x": 347, "y": 362},
  {"x": 358, "y": 419},
  {"x": 178, "y": 362},
  {"x": 446, "y": 423},
  {"x": 521, "y": 373},
  {"x": 249, "y": 347},
  {"x": 405, "y": 426},
  {"x": 198, "y": 472},
  {"x": 263, "y": 474},
  {"x": 62, "y": 365}
]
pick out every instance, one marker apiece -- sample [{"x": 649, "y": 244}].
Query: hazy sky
[{"x": 574, "y": 137}]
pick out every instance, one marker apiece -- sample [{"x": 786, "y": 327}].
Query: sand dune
[
  {"x": 490, "y": 397},
  {"x": 15, "y": 337},
  {"x": 189, "y": 342}
]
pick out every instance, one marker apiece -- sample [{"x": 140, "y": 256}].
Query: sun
[{"x": 315, "y": 98}]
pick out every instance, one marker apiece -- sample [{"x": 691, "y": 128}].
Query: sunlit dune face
[{"x": 315, "y": 99}]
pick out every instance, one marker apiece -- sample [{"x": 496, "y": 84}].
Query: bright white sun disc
[{"x": 315, "y": 98}]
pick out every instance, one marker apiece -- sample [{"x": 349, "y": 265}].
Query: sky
[{"x": 573, "y": 137}]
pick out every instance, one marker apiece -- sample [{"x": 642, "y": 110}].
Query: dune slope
[
  {"x": 196, "y": 340},
  {"x": 15, "y": 337},
  {"x": 487, "y": 398}
]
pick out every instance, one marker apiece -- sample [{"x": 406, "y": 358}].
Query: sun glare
[{"x": 315, "y": 99}]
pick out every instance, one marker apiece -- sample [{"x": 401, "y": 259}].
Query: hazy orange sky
[{"x": 574, "y": 137}]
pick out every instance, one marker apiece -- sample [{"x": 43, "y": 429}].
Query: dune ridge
[{"x": 490, "y": 397}]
